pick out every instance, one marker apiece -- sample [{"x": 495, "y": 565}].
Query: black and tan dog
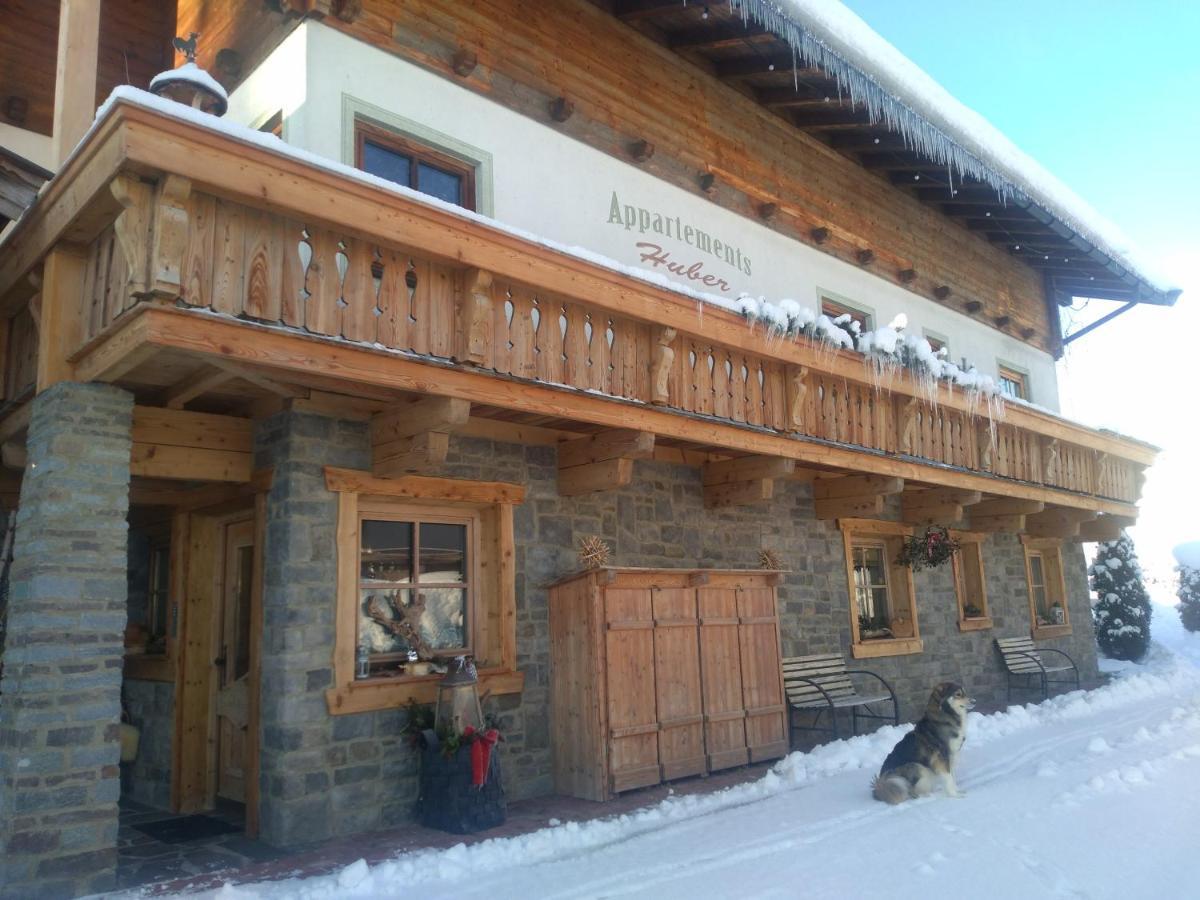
[{"x": 927, "y": 754}]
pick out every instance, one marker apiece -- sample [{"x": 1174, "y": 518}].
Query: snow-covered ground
[{"x": 1088, "y": 795}]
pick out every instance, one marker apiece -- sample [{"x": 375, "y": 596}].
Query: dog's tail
[{"x": 891, "y": 789}]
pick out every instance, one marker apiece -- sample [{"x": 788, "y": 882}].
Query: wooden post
[
  {"x": 75, "y": 75},
  {"x": 660, "y": 366},
  {"x": 797, "y": 393},
  {"x": 60, "y": 332},
  {"x": 476, "y": 316}
]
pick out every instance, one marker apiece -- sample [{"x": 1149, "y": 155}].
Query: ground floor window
[
  {"x": 1048, "y": 613},
  {"x": 425, "y": 572},
  {"x": 969, "y": 586},
  {"x": 883, "y": 613}
]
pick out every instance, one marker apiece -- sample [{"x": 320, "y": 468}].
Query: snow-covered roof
[{"x": 902, "y": 97}]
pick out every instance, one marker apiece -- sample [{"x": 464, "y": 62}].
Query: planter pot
[{"x": 449, "y": 802}]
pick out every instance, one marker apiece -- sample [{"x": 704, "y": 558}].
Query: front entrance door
[{"x": 233, "y": 660}]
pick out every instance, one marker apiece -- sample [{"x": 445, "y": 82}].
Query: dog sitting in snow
[{"x": 926, "y": 756}]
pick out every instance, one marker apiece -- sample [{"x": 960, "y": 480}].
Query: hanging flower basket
[{"x": 929, "y": 550}]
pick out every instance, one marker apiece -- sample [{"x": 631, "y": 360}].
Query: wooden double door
[{"x": 687, "y": 678}]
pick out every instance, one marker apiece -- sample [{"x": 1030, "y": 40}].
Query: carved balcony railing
[{"x": 234, "y": 239}]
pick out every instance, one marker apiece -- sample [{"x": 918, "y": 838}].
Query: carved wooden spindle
[
  {"x": 908, "y": 425},
  {"x": 170, "y": 236},
  {"x": 476, "y": 316},
  {"x": 983, "y": 441},
  {"x": 797, "y": 394},
  {"x": 660, "y": 366},
  {"x": 1049, "y": 461}
]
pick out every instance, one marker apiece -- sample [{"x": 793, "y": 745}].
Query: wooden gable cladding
[
  {"x": 661, "y": 674},
  {"x": 698, "y": 124}
]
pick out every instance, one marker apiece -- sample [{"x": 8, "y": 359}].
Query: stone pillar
[
  {"x": 60, "y": 696},
  {"x": 308, "y": 780}
]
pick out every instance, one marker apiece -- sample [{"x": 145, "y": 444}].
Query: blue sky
[{"x": 1106, "y": 95}]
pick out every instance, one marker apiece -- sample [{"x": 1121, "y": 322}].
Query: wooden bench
[
  {"x": 822, "y": 683},
  {"x": 1023, "y": 660}
]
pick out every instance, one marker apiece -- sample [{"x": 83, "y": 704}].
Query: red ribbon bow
[{"x": 481, "y": 753}]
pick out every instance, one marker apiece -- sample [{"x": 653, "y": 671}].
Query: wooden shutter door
[
  {"x": 677, "y": 683},
  {"x": 721, "y": 678},
  {"x": 632, "y": 713},
  {"x": 762, "y": 678}
]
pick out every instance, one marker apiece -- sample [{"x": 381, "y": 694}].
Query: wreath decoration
[{"x": 929, "y": 550}]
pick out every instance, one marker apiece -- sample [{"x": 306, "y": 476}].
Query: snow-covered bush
[
  {"x": 1188, "y": 557},
  {"x": 1122, "y": 609}
]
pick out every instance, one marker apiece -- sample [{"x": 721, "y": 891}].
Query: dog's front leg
[{"x": 951, "y": 787}]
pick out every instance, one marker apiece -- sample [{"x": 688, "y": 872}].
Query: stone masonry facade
[
  {"x": 60, "y": 696},
  {"x": 328, "y": 775}
]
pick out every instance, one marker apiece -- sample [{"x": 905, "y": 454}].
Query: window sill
[
  {"x": 141, "y": 667},
  {"x": 979, "y": 623},
  {"x": 393, "y": 693},
  {"x": 887, "y": 647},
  {"x": 1046, "y": 632}
]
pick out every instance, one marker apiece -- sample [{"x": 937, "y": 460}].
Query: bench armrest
[
  {"x": 824, "y": 694},
  {"x": 1060, "y": 653},
  {"x": 1031, "y": 656},
  {"x": 878, "y": 678}
]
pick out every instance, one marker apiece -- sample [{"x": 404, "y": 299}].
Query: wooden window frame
[
  {"x": 1049, "y": 550},
  {"x": 362, "y": 495},
  {"x": 419, "y": 152},
  {"x": 937, "y": 341},
  {"x": 162, "y": 666},
  {"x": 1009, "y": 373},
  {"x": 833, "y": 307},
  {"x": 900, "y": 586},
  {"x": 970, "y": 543},
  {"x": 401, "y": 511}
]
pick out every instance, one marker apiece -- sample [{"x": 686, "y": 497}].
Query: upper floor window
[
  {"x": 413, "y": 164},
  {"x": 937, "y": 343},
  {"x": 850, "y": 319},
  {"x": 1014, "y": 383}
]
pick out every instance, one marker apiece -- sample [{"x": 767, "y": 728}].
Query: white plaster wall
[
  {"x": 555, "y": 186},
  {"x": 37, "y": 148}
]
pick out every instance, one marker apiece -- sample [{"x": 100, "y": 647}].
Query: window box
[
  {"x": 883, "y": 610},
  {"x": 469, "y": 538}
]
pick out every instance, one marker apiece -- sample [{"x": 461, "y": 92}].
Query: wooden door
[
  {"x": 721, "y": 678},
  {"x": 762, "y": 677},
  {"x": 632, "y": 713},
  {"x": 233, "y": 660},
  {"x": 677, "y": 683}
]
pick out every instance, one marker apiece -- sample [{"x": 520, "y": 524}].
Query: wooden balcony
[{"x": 201, "y": 271}]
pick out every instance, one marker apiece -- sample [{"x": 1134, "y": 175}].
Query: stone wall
[
  {"x": 151, "y": 707},
  {"x": 326, "y": 775},
  {"x": 60, "y": 694}
]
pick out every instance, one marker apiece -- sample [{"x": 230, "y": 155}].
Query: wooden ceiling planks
[{"x": 135, "y": 37}]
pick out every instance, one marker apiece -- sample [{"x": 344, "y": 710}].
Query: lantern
[
  {"x": 189, "y": 84},
  {"x": 458, "y": 699}
]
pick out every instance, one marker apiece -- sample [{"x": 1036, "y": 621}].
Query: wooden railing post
[
  {"x": 475, "y": 316},
  {"x": 1049, "y": 473},
  {"x": 660, "y": 366},
  {"x": 983, "y": 445},
  {"x": 170, "y": 236},
  {"x": 907, "y": 425},
  {"x": 133, "y": 229},
  {"x": 797, "y": 395}
]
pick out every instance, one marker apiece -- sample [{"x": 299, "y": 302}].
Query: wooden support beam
[
  {"x": 1006, "y": 523},
  {"x": 935, "y": 497},
  {"x": 619, "y": 442},
  {"x": 738, "y": 493},
  {"x": 607, "y": 475},
  {"x": 178, "y": 395},
  {"x": 856, "y": 486},
  {"x": 1058, "y": 522},
  {"x": 601, "y": 462},
  {"x": 865, "y": 507},
  {"x": 1006, "y": 506},
  {"x": 947, "y": 514},
  {"x": 75, "y": 75},
  {"x": 1105, "y": 528},
  {"x": 715, "y": 36},
  {"x": 60, "y": 330},
  {"x": 414, "y": 435},
  {"x": 747, "y": 468},
  {"x": 279, "y": 388}
]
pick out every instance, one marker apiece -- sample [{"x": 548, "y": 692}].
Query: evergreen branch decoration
[{"x": 929, "y": 550}]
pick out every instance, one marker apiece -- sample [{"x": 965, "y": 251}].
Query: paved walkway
[{"x": 210, "y": 862}]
